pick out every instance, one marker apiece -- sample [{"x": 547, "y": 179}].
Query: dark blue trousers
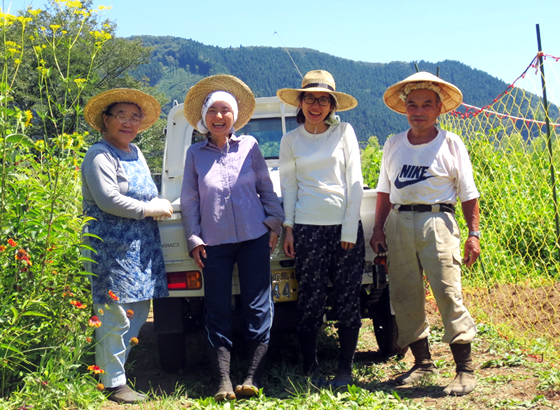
[{"x": 253, "y": 263}]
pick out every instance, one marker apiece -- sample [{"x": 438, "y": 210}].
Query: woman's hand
[
  {"x": 273, "y": 241},
  {"x": 288, "y": 245},
  {"x": 346, "y": 245},
  {"x": 158, "y": 208},
  {"x": 198, "y": 253}
]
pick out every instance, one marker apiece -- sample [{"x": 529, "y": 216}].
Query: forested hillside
[{"x": 177, "y": 64}]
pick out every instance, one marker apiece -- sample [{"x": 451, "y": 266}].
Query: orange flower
[
  {"x": 134, "y": 341},
  {"x": 113, "y": 296},
  {"x": 95, "y": 369},
  {"x": 79, "y": 305},
  {"x": 130, "y": 313},
  {"x": 101, "y": 312},
  {"x": 22, "y": 255},
  {"x": 88, "y": 339},
  {"x": 100, "y": 387},
  {"x": 94, "y": 321},
  {"x": 11, "y": 242},
  {"x": 2, "y": 248}
]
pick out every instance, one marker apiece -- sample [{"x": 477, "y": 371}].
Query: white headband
[
  {"x": 210, "y": 100},
  {"x": 425, "y": 85}
]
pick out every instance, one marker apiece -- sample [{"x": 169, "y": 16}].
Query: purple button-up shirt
[{"x": 227, "y": 195}]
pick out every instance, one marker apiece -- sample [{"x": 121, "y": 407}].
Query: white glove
[{"x": 158, "y": 208}]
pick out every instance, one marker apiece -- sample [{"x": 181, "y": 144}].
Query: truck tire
[{"x": 385, "y": 326}]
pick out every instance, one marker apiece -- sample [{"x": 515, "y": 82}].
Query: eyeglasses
[
  {"x": 323, "y": 101},
  {"x": 123, "y": 119}
]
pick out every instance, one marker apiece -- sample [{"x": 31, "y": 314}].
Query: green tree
[
  {"x": 371, "y": 162},
  {"x": 69, "y": 54}
]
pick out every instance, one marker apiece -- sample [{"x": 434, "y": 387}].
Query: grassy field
[{"x": 510, "y": 376}]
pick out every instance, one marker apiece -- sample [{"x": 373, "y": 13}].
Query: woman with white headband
[{"x": 231, "y": 215}]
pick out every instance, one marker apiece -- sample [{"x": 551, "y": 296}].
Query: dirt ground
[{"x": 497, "y": 385}]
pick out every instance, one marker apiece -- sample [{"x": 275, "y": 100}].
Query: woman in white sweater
[{"x": 322, "y": 192}]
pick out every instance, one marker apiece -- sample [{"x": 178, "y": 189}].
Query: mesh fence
[{"x": 515, "y": 285}]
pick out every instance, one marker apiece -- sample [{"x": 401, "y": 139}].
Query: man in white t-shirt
[{"x": 424, "y": 171}]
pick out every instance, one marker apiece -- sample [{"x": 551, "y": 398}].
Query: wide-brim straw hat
[
  {"x": 451, "y": 96},
  {"x": 318, "y": 81},
  {"x": 221, "y": 82},
  {"x": 93, "y": 112}
]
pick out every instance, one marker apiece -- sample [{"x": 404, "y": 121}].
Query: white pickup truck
[{"x": 183, "y": 310}]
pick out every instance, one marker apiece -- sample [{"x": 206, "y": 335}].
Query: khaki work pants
[{"x": 426, "y": 243}]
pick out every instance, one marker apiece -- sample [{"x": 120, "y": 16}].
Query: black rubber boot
[
  {"x": 220, "y": 357},
  {"x": 348, "y": 340},
  {"x": 124, "y": 395},
  {"x": 252, "y": 383},
  {"x": 423, "y": 364},
  {"x": 308, "y": 347},
  {"x": 465, "y": 381}
]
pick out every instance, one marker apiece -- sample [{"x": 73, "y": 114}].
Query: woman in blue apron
[{"x": 121, "y": 198}]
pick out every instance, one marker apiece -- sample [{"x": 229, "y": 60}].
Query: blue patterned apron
[{"x": 130, "y": 259}]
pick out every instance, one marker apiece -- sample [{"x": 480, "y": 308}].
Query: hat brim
[
  {"x": 344, "y": 102},
  {"x": 93, "y": 111},
  {"x": 197, "y": 94},
  {"x": 452, "y": 97}
]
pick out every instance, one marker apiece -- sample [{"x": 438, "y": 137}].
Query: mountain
[{"x": 177, "y": 64}]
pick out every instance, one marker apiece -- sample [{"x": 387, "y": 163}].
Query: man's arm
[
  {"x": 472, "y": 244},
  {"x": 382, "y": 210}
]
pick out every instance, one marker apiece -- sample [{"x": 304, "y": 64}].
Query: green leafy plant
[{"x": 44, "y": 291}]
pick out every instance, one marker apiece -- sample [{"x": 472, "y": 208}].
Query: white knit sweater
[{"x": 321, "y": 178}]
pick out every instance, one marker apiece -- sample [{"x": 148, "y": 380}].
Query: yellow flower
[
  {"x": 34, "y": 13},
  {"x": 17, "y": 61},
  {"x": 73, "y": 4},
  {"x": 28, "y": 117},
  {"x": 55, "y": 27}
]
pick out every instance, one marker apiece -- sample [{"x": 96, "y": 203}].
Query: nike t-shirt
[{"x": 433, "y": 173}]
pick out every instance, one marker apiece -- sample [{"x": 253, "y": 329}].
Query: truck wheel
[{"x": 385, "y": 326}]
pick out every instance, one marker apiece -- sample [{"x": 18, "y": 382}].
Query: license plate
[{"x": 284, "y": 286}]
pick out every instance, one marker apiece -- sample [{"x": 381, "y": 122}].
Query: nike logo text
[{"x": 413, "y": 174}]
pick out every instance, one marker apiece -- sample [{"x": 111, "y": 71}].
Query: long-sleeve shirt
[
  {"x": 321, "y": 178},
  {"x": 105, "y": 183},
  {"x": 227, "y": 195}
]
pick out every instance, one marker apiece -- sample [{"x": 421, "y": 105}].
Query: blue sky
[{"x": 495, "y": 36}]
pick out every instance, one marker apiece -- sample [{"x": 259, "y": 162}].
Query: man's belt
[{"x": 425, "y": 208}]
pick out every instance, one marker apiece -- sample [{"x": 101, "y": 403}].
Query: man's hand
[
  {"x": 472, "y": 251},
  {"x": 378, "y": 240}
]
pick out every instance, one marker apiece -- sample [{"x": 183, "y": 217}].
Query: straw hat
[
  {"x": 228, "y": 83},
  {"x": 318, "y": 81},
  {"x": 93, "y": 112},
  {"x": 451, "y": 96}
]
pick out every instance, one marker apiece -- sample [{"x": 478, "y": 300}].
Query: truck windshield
[{"x": 268, "y": 132}]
